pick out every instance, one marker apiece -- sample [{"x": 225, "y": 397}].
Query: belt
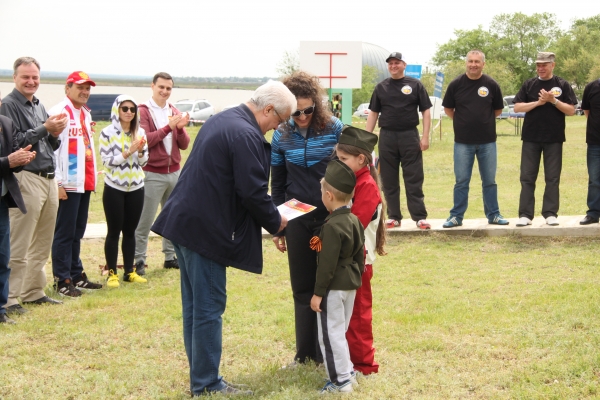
[{"x": 47, "y": 175}]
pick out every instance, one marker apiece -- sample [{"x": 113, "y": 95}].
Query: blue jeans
[
  {"x": 4, "y": 254},
  {"x": 203, "y": 298},
  {"x": 593, "y": 165},
  {"x": 464, "y": 157}
]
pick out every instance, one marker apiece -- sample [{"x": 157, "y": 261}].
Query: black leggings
[{"x": 122, "y": 211}]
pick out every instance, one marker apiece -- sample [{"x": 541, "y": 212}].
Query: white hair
[
  {"x": 276, "y": 94},
  {"x": 477, "y": 53}
]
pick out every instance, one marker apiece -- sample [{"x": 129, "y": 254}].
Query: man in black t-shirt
[
  {"x": 473, "y": 101},
  {"x": 546, "y": 99},
  {"x": 590, "y": 105},
  {"x": 399, "y": 100}
]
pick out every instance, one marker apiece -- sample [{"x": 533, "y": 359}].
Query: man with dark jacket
[
  {"x": 165, "y": 130},
  {"x": 12, "y": 159},
  {"x": 214, "y": 218}
]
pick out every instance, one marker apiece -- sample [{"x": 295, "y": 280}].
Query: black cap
[
  {"x": 358, "y": 137},
  {"x": 396, "y": 55},
  {"x": 340, "y": 176}
]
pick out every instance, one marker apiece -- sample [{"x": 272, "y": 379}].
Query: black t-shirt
[
  {"x": 545, "y": 124},
  {"x": 474, "y": 102},
  {"x": 398, "y": 101},
  {"x": 591, "y": 103}
]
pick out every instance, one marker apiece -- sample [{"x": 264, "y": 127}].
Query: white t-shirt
[{"x": 162, "y": 114}]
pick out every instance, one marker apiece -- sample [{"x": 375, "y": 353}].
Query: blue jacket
[
  {"x": 298, "y": 164},
  {"x": 221, "y": 199}
]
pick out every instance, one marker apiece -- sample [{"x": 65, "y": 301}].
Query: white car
[
  {"x": 200, "y": 110},
  {"x": 362, "y": 111}
]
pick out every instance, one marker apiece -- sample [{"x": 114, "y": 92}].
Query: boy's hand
[{"x": 315, "y": 303}]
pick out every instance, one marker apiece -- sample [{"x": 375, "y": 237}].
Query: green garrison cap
[
  {"x": 340, "y": 176},
  {"x": 358, "y": 137}
]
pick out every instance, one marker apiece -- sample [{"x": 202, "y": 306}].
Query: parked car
[
  {"x": 362, "y": 111},
  {"x": 101, "y": 104},
  {"x": 510, "y": 100},
  {"x": 200, "y": 110}
]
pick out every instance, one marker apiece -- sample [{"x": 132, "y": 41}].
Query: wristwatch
[{"x": 555, "y": 101}]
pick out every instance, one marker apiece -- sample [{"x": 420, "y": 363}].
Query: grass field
[{"x": 454, "y": 317}]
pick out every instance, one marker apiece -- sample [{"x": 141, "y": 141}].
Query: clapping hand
[{"x": 21, "y": 157}]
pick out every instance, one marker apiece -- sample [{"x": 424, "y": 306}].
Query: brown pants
[{"x": 31, "y": 237}]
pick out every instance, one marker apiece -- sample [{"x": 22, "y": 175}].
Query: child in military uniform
[{"x": 340, "y": 264}]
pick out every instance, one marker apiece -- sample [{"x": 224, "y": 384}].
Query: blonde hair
[{"x": 337, "y": 194}]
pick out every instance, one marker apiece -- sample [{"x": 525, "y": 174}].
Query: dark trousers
[
  {"x": 303, "y": 274},
  {"x": 71, "y": 221},
  {"x": 4, "y": 254},
  {"x": 122, "y": 211},
  {"x": 402, "y": 149},
  {"x": 593, "y": 196},
  {"x": 531, "y": 155}
]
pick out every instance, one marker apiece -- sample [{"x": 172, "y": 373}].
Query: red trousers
[{"x": 360, "y": 330}]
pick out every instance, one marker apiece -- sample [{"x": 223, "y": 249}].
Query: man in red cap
[{"x": 76, "y": 179}]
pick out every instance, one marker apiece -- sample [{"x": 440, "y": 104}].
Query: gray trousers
[
  {"x": 157, "y": 189},
  {"x": 333, "y": 321}
]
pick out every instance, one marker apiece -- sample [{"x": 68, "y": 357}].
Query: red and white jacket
[{"x": 366, "y": 205}]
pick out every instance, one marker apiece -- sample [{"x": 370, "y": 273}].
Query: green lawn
[
  {"x": 439, "y": 173},
  {"x": 454, "y": 317}
]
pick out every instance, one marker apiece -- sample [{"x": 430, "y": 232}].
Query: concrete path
[{"x": 569, "y": 226}]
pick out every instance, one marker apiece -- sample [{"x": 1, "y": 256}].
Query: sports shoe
[
  {"x": 498, "y": 220},
  {"x": 174, "y": 264},
  {"x": 523, "y": 221},
  {"x": 392, "y": 223},
  {"x": 451, "y": 222},
  {"x": 330, "y": 387},
  {"x": 113, "y": 280},
  {"x": 423, "y": 224},
  {"x": 134, "y": 277},
  {"x": 552, "y": 221},
  {"x": 66, "y": 288},
  {"x": 227, "y": 390},
  {"x": 85, "y": 283},
  {"x": 5, "y": 320},
  {"x": 353, "y": 378},
  {"x": 140, "y": 267}
]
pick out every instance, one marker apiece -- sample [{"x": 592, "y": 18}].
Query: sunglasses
[
  {"x": 125, "y": 109},
  {"x": 306, "y": 111}
]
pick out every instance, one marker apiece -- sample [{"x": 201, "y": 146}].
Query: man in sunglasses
[
  {"x": 399, "y": 100},
  {"x": 165, "y": 130},
  {"x": 76, "y": 179},
  {"x": 31, "y": 233}
]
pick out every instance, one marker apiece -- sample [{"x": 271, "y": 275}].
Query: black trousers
[
  {"x": 402, "y": 149},
  {"x": 303, "y": 273},
  {"x": 122, "y": 211},
  {"x": 531, "y": 154}
]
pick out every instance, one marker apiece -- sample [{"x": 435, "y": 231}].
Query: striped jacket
[
  {"x": 120, "y": 173},
  {"x": 298, "y": 164}
]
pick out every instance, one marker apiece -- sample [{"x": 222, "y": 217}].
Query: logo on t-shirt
[
  {"x": 407, "y": 89},
  {"x": 556, "y": 91},
  {"x": 483, "y": 91}
]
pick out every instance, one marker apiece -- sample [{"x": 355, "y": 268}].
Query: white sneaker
[
  {"x": 552, "y": 221},
  {"x": 523, "y": 221}
]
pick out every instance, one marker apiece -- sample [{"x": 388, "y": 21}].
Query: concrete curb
[{"x": 568, "y": 226}]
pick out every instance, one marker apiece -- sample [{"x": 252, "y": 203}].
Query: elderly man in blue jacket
[{"x": 214, "y": 218}]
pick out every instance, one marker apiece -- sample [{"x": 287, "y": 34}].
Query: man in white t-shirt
[{"x": 164, "y": 126}]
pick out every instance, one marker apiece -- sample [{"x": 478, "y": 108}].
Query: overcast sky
[{"x": 235, "y": 37}]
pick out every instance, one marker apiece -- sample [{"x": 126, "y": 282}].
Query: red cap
[{"x": 79, "y": 77}]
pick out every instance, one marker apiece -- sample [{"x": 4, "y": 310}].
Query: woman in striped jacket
[{"x": 124, "y": 152}]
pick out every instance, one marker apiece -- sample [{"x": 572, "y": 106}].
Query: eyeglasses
[
  {"x": 278, "y": 117},
  {"x": 306, "y": 111},
  {"x": 125, "y": 109}
]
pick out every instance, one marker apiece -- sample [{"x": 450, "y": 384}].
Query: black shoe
[
  {"x": 66, "y": 288},
  {"x": 85, "y": 283},
  {"x": 16, "y": 309},
  {"x": 588, "y": 220},
  {"x": 43, "y": 300},
  {"x": 5, "y": 320},
  {"x": 140, "y": 267},
  {"x": 172, "y": 264},
  {"x": 227, "y": 390}
]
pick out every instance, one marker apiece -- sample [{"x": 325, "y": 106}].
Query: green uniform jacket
[{"x": 341, "y": 261}]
